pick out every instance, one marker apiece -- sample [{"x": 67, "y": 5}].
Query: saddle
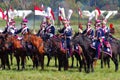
[
  {"x": 63, "y": 47},
  {"x": 106, "y": 48}
]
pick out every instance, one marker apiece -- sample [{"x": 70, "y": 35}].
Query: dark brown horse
[
  {"x": 85, "y": 42},
  {"x": 18, "y": 48},
  {"x": 38, "y": 43},
  {"x": 54, "y": 44},
  {"x": 79, "y": 55},
  {"x": 115, "y": 45},
  {"x": 3, "y": 52}
]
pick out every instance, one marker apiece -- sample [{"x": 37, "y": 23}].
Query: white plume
[{"x": 69, "y": 14}]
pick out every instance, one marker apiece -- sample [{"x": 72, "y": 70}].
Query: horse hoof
[
  {"x": 92, "y": 70},
  {"x": 47, "y": 65},
  {"x": 116, "y": 70},
  {"x": 80, "y": 70},
  {"x": 59, "y": 69},
  {"x": 71, "y": 66},
  {"x": 9, "y": 68},
  {"x": 87, "y": 71}
]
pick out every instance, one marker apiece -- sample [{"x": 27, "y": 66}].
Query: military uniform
[
  {"x": 67, "y": 33},
  {"x": 10, "y": 29},
  {"x": 49, "y": 29},
  {"x": 24, "y": 29},
  {"x": 99, "y": 40},
  {"x": 89, "y": 31}
]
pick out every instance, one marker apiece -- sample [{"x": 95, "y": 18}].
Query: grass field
[{"x": 52, "y": 73}]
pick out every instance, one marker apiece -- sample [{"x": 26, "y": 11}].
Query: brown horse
[
  {"x": 78, "y": 53},
  {"x": 37, "y": 42},
  {"x": 18, "y": 49},
  {"x": 3, "y": 52},
  {"x": 54, "y": 44}
]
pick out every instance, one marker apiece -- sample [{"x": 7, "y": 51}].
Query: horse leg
[
  {"x": 33, "y": 60},
  {"x": 77, "y": 62},
  {"x": 72, "y": 61},
  {"x": 41, "y": 58},
  {"x": 23, "y": 62},
  {"x": 11, "y": 58},
  {"x": 3, "y": 62},
  {"x": 18, "y": 62},
  {"x": 60, "y": 60},
  {"x": 65, "y": 62},
  {"x": 48, "y": 56},
  {"x": 119, "y": 57},
  {"x": 108, "y": 62},
  {"x": 55, "y": 61},
  {"x": 92, "y": 67},
  {"x": 36, "y": 60},
  {"x": 7, "y": 61},
  {"x": 114, "y": 59},
  {"x": 78, "y": 58},
  {"x": 88, "y": 66},
  {"x": 102, "y": 62}
]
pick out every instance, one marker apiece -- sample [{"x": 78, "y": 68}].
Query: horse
[
  {"x": 18, "y": 48},
  {"x": 38, "y": 43},
  {"x": 78, "y": 53},
  {"x": 89, "y": 52},
  {"x": 115, "y": 45},
  {"x": 3, "y": 52},
  {"x": 54, "y": 44},
  {"x": 49, "y": 51}
]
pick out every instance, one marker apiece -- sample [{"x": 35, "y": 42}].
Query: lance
[
  {"x": 34, "y": 19},
  {"x": 7, "y": 9}
]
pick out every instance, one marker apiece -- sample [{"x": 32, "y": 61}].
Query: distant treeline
[{"x": 84, "y": 4}]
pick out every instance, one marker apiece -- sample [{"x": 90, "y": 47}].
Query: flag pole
[
  {"x": 34, "y": 19},
  {"x": 7, "y": 8},
  {"x": 78, "y": 17}
]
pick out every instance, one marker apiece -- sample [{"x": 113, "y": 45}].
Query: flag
[
  {"x": 61, "y": 15},
  {"x": 11, "y": 13},
  {"x": 50, "y": 13},
  {"x": 42, "y": 7},
  {"x": 97, "y": 13},
  {"x": 39, "y": 11},
  {"x": 80, "y": 12},
  {"x": 5, "y": 17},
  {"x": 1, "y": 13}
]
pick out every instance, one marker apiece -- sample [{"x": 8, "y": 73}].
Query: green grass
[{"x": 52, "y": 73}]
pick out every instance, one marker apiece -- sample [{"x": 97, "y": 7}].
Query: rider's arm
[
  {"x": 5, "y": 30},
  {"x": 84, "y": 32},
  {"x": 18, "y": 31}
]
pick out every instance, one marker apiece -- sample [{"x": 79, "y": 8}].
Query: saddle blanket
[{"x": 106, "y": 49}]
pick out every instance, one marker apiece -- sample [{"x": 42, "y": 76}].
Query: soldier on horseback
[
  {"x": 49, "y": 29},
  {"x": 105, "y": 29},
  {"x": 67, "y": 33},
  {"x": 24, "y": 28},
  {"x": 99, "y": 38},
  {"x": 89, "y": 31},
  {"x": 10, "y": 29},
  {"x": 80, "y": 28},
  {"x": 41, "y": 32}
]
